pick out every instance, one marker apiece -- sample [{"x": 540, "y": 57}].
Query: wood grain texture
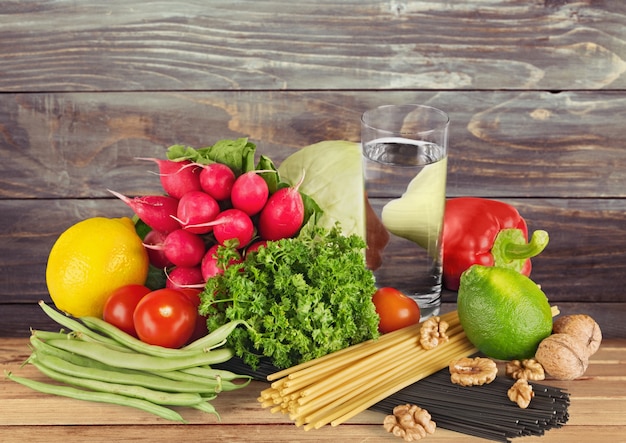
[
  {"x": 502, "y": 144},
  {"x": 281, "y": 44},
  {"x": 277, "y": 433}
]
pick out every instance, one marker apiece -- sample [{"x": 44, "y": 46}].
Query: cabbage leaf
[{"x": 333, "y": 177}]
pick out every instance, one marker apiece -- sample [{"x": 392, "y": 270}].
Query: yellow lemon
[{"x": 91, "y": 259}]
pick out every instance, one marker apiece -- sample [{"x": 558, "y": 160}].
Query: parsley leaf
[{"x": 303, "y": 298}]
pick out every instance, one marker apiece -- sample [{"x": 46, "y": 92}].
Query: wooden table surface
[{"x": 598, "y": 402}]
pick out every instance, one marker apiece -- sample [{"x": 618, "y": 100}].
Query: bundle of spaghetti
[
  {"x": 334, "y": 388},
  {"x": 483, "y": 411}
]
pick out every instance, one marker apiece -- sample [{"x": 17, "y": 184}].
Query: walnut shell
[
  {"x": 562, "y": 356},
  {"x": 581, "y": 326}
]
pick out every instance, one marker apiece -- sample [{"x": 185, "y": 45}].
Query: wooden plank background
[{"x": 534, "y": 89}]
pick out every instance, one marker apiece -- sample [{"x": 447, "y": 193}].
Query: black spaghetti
[{"x": 483, "y": 411}]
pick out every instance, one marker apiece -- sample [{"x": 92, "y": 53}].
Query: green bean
[
  {"x": 72, "y": 324},
  {"x": 91, "y": 339},
  {"x": 201, "y": 384},
  {"x": 231, "y": 386},
  {"x": 145, "y": 362},
  {"x": 151, "y": 395},
  {"x": 216, "y": 337},
  {"x": 143, "y": 379},
  {"x": 201, "y": 375},
  {"x": 101, "y": 397},
  {"x": 207, "y": 407},
  {"x": 46, "y": 335},
  {"x": 43, "y": 336},
  {"x": 209, "y": 372},
  {"x": 226, "y": 377},
  {"x": 44, "y": 348},
  {"x": 133, "y": 343},
  {"x": 217, "y": 382},
  {"x": 114, "y": 367},
  {"x": 178, "y": 375}
]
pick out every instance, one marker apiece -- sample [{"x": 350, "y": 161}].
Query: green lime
[{"x": 504, "y": 313}]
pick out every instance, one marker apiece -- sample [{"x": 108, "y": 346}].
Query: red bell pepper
[{"x": 486, "y": 232}]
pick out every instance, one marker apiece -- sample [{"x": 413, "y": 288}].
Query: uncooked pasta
[
  {"x": 395, "y": 369},
  {"x": 335, "y": 388}
]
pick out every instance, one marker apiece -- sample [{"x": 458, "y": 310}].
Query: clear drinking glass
[{"x": 405, "y": 153}]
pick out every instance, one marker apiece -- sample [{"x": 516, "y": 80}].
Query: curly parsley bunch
[{"x": 302, "y": 297}]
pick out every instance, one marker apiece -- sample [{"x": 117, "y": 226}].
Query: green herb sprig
[{"x": 303, "y": 298}]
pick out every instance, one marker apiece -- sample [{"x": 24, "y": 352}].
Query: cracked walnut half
[
  {"x": 476, "y": 371},
  {"x": 410, "y": 422}
]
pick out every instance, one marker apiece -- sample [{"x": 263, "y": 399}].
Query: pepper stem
[{"x": 510, "y": 249}]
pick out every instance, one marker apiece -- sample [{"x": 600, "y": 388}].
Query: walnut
[
  {"x": 476, "y": 371},
  {"x": 433, "y": 332},
  {"x": 562, "y": 356},
  {"x": 521, "y": 393},
  {"x": 583, "y": 328},
  {"x": 530, "y": 369},
  {"x": 410, "y": 422}
]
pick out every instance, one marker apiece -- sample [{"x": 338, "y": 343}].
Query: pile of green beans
[{"x": 96, "y": 361}]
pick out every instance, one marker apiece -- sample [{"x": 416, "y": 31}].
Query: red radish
[
  {"x": 283, "y": 215},
  {"x": 177, "y": 177},
  {"x": 156, "y": 256},
  {"x": 256, "y": 245},
  {"x": 232, "y": 224},
  {"x": 182, "y": 248},
  {"x": 250, "y": 193},
  {"x": 196, "y": 208},
  {"x": 216, "y": 179},
  {"x": 209, "y": 264},
  {"x": 155, "y": 210},
  {"x": 185, "y": 277}
]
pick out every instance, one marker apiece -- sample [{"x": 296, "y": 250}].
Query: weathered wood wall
[{"x": 535, "y": 91}]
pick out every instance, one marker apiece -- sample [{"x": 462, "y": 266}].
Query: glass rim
[{"x": 438, "y": 126}]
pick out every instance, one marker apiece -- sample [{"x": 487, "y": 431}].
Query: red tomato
[
  {"x": 165, "y": 317},
  {"x": 201, "y": 327},
  {"x": 395, "y": 310},
  {"x": 119, "y": 307}
]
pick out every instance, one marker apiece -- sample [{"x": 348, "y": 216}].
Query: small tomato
[
  {"x": 165, "y": 317},
  {"x": 120, "y": 306},
  {"x": 395, "y": 309}
]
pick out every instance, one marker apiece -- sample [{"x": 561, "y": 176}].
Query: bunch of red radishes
[{"x": 208, "y": 205}]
